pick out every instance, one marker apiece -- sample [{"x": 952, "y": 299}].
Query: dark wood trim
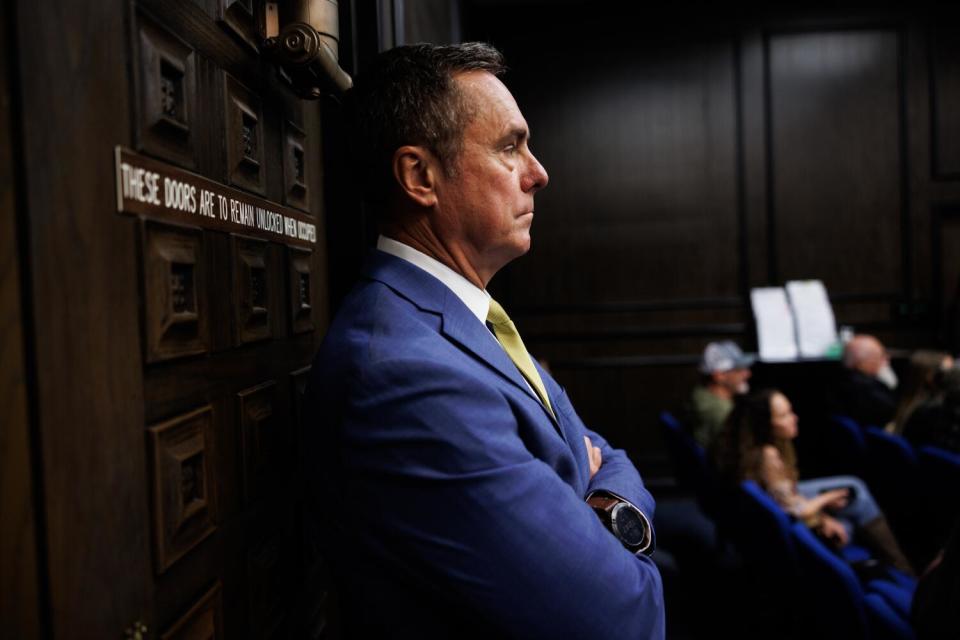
[
  {"x": 627, "y": 306},
  {"x": 743, "y": 250},
  {"x": 888, "y": 296},
  {"x": 906, "y": 231},
  {"x": 220, "y": 374},
  {"x": 939, "y": 213},
  {"x": 890, "y": 20},
  {"x": 627, "y": 362},
  {"x": 644, "y": 333},
  {"x": 25, "y": 606},
  {"x": 772, "y": 259},
  {"x": 674, "y": 360},
  {"x": 681, "y": 304},
  {"x": 399, "y": 27},
  {"x": 87, "y": 369},
  {"x": 935, "y": 175}
]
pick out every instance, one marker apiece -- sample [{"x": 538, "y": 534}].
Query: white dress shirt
[{"x": 476, "y": 299}]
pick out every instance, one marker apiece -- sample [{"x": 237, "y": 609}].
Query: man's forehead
[{"x": 490, "y": 97}]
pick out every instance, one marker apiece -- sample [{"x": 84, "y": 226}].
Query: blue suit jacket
[{"x": 449, "y": 501}]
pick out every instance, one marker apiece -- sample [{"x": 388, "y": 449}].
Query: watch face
[{"x": 628, "y": 526}]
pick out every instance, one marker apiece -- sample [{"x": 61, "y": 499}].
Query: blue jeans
[{"x": 861, "y": 509}]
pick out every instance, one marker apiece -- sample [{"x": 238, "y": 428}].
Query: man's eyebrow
[{"x": 515, "y": 133}]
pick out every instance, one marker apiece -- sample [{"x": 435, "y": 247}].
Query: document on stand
[
  {"x": 816, "y": 325},
  {"x": 776, "y": 335}
]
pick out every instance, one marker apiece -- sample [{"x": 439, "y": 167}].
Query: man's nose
[{"x": 536, "y": 177}]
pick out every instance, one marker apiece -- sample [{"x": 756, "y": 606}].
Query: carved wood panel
[
  {"x": 203, "y": 621},
  {"x": 253, "y": 290},
  {"x": 299, "y": 380},
  {"x": 167, "y": 94},
  {"x": 266, "y": 589},
  {"x": 300, "y": 292},
  {"x": 174, "y": 291},
  {"x": 295, "y": 167},
  {"x": 262, "y": 442},
  {"x": 139, "y": 355},
  {"x": 242, "y": 19},
  {"x": 184, "y": 490},
  {"x": 317, "y": 583},
  {"x": 244, "y": 137}
]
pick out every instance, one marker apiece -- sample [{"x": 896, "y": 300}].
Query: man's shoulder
[
  {"x": 378, "y": 329},
  {"x": 703, "y": 400},
  {"x": 375, "y": 312},
  {"x": 856, "y": 378}
]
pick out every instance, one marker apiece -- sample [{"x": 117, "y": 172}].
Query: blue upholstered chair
[
  {"x": 843, "y": 449},
  {"x": 884, "y": 622},
  {"x": 694, "y": 472},
  {"x": 939, "y": 499},
  {"x": 890, "y": 468},
  {"x": 892, "y": 474},
  {"x": 689, "y": 458},
  {"x": 839, "y": 606},
  {"x": 766, "y": 544},
  {"x": 766, "y": 538}
]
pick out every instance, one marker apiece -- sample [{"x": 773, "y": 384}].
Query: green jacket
[{"x": 705, "y": 414}]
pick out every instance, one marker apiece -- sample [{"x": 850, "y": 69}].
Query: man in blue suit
[{"x": 456, "y": 491}]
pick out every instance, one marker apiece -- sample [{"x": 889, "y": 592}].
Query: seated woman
[
  {"x": 757, "y": 444},
  {"x": 921, "y": 388},
  {"x": 938, "y": 423}
]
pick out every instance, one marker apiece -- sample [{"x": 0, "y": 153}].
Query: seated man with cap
[{"x": 724, "y": 373}]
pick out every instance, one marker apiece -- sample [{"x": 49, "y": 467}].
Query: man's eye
[{"x": 510, "y": 148}]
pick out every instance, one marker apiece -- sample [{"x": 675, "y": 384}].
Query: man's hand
[{"x": 594, "y": 455}]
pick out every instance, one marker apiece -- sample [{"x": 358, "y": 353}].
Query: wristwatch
[{"x": 623, "y": 520}]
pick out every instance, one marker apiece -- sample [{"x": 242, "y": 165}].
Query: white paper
[
  {"x": 816, "y": 326},
  {"x": 776, "y": 336}
]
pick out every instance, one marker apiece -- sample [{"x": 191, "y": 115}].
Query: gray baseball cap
[{"x": 724, "y": 356}]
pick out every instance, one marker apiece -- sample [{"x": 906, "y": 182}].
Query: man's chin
[{"x": 522, "y": 244}]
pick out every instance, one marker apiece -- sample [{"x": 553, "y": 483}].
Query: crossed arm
[{"x": 511, "y": 530}]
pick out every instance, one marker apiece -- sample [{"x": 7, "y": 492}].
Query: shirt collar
[{"x": 476, "y": 299}]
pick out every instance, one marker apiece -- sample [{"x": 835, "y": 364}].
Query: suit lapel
[
  {"x": 462, "y": 327},
  {"x": 458, "y": 323}
]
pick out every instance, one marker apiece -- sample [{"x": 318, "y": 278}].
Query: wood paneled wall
[
  {"x": 695, "y": 155},
  {"x": 21, "y": 612}
]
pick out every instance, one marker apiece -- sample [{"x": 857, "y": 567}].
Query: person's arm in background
[{"x": 774, "y": 479}]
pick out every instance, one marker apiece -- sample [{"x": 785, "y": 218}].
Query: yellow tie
[{"x": 509, "y": 338}]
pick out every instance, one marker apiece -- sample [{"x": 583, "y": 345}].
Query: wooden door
[{"x": 169, "y": 353}]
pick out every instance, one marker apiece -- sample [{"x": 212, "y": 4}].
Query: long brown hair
[
  {"x": 921, "y": 382},
  {"x": 749, "y": 428}
]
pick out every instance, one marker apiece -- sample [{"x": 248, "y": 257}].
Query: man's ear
[{"x": 415, "y": 169}]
